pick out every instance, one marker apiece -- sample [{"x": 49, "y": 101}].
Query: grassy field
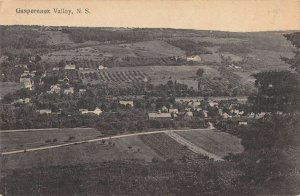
[
  {"x": 21, "y": 140},
  {"x": 216, "y": 142}
]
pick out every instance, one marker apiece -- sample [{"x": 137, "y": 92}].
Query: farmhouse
[
  {"x": 54, "y": 89},
  {"x": 212, "y": 103},
  {"x": 173, "y": 110},
  {"x": 69, "y": 91},
  {"x": 56, "y": 69},
  {"x": 101, "y": 67},
  {"x": 82, "y": 90},
  {"x": 194, "y": 103},
  {"x": 22, "y": 66},
  {"x": 243, "y": 123},
  {"x": 97, "y": 111},
  {"x": 70, "y": 67},
  {"x": 205, "y": 112},
  {"x": 28, "y": 74},
  {"x": 194, "y": 58},
  {"x": 164, "y": 109},
  {"x": 44, "y": 111},
  {"x": 187, "y": 100},
  {"x": 159, "y": 115},
  {"x": 126, "y": 103},
  {"x": 25, "y": 101},
  {"x": 27, "y": 83}
]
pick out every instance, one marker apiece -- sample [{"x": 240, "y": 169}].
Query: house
[
  {"x": 188, "y": 116},
  {"x": 70, "y": 67},
  {"x": 82, "y": 90},
  {"x": 164, "y": 109},
  {"x": 24, "y": 101},
  {"x": 27, "y": 83},
  {"x": 194, "y": 103},
  {"x": 28, "y": 74},
  {"x": 236, "y": 112},
  {"x": 126, "y": 103},
  {"x": 54, "y": 89},
  {"x": 159, "y": 115},
  {"x": 212, "y": 103},
  {"x": 225, "y": 115},
  {"x": 205, "y": 113},
  {"x": 69, "y": 91},
  {"x": 257, "y": 116},
  {"x": 243, "y": 123},
  {"x": 22, "y": 66},
  {"x": 56, "y": 69},
  {"x": 173, "y": 110},
  {"x": 194, "y": 58},
  {"x": 44, "y": 111},
  {"x": 101, "y": 67},
  {"x": 97, "y": 111}
]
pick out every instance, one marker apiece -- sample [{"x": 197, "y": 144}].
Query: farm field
[
  {"x": 21, "y": 140},
  {"x": 168, "y": 148},
  {"x": 114, "y": 76},
  {"x": 132, "y": 148},
  {"x": 185, "y": 74},
  {"x": 216, "y": 142}
]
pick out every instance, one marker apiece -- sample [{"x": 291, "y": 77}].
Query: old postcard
[{"x": 162, "y": 97}]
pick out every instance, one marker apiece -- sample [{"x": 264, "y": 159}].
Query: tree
[
  {"x": 278, "y": 91},
  {"x": 200, "y": 72},
  {"x": 294, "y": 38}
]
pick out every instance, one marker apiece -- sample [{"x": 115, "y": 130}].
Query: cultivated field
[
  {"x": 216, "y": 142},
  {"x": 168, "y": 148},
  {"x": 114, "y": 76}
]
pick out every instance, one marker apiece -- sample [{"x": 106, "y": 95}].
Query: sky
[{"x": 224, "y": 15}]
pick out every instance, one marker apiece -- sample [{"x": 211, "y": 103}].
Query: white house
[
  {"x": 69, "y": 91},
  {"x": 212, "y": 103},
  {"x": 27, "y": 83},
  {"x": 126, "y": 103},
  {"x": 205, "y": 112},
  {"x": 54, "y": 89},
  {"x": 44, "y": 111},
  {"x": 70, "y": 67},
  {"x": 97, "y": 111},
  {"x": 164, "y": 109},
  {"x": 194, "y": 58},
  {"x": 159, "y": 115},
  {"x": 243, "y": 123},
  {"x": 173, "y": 110},
  {"x": 101, "y": 67}
]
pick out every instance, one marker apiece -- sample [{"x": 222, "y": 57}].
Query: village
[{"x": 64, "y": 83}]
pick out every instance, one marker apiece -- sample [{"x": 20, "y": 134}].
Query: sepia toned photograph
[{"x": 149, "y": 98}]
